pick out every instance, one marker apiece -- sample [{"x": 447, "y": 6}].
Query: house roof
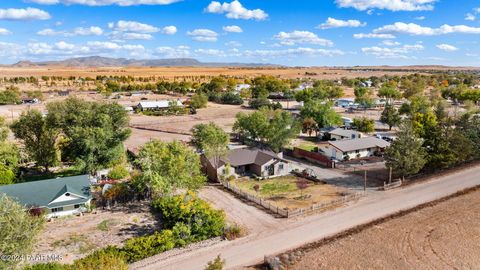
[
  {"x": 359, "y": 144},
  {"x": 246, "y": 156},
  {"x": 43, "y": 193},
  {"x": 344, "y": 132},
  {"x": 158, "y": 104}
]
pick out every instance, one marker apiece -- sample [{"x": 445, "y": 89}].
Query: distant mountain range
[{"x": 98, "y": 61}]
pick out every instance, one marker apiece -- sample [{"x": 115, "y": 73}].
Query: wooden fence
[
  {"x": 291, "y": 213},
  {"x": 313, "y": 157}
]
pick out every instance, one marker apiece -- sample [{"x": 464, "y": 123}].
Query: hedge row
[{"x": 186, "y": 219}]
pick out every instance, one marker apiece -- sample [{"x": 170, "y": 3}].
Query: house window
[
  {"x": 77, "y": 206},
  {"x": 280, "y": 167},
  {"x": 368, "y": 149},
  {"x": 58, "y": 209},
  {"x": 357, "y": 152}
]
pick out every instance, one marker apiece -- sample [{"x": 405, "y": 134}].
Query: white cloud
[
  {"x": 174, "y": 52},
  {"x": 62, "y": 45},
  {"x": 335, "y": 23},
  {"x": 470, "y": 17},
  {"x": 301, "y": 37},
  {"x": 232, "y": 29},
  {"x": 133, "y": 26},
  {"x": 420, "y": 18},
  {"x": 105, "y": 2},
  {"x": 79, "y": 31},
  {"x": 393, "y": 5},
  {"x": 120, "y": 36},
  {"x": 203, "y": 35},
  {"x": 371, "y": 35},
  {"x": 390, "y": 43},
  {"x": 4, "y": 32},
  {"x": 235, "y": 10},
  {"x": 211, "y": 52},
  {"x": 395, "y": 52},
  {"x": 233, "y": 44},
  {"x": 447, "y": 47},
  {"x": 292, "y": 52},
  {"x": 418, "y": 30},
  {"x": 21, "y": 14},
  {"x": 169, "y": 30}
]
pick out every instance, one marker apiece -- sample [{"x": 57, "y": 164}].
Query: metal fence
[{"x": 291, "y": 213}]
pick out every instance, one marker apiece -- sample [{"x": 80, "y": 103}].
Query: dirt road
[
  {"x": 252, "y": 249},
  {"x": 443, "y": 236}
]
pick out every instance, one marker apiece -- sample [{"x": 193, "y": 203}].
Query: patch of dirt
[
  {"x": 443, "y": 236},
  {"x": 75, "y": 237}
]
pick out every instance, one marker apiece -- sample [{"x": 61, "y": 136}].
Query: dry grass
[{"x": 283, "y": 191}]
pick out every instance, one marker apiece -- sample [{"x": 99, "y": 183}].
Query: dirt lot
[
  {"x": 284, "y": 193},
  {"x": 75, "y": 237},
  {"x": 444, "y": 236},
  {"x": 169, "y": 128},
  {"x": 180, "y": 72}
]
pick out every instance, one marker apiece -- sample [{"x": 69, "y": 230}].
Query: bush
[
  {"x": 182, "y": 234},
  {"x": 110, "y": 258},
  {"x": 46, "y": 266},
  {"x": 217, "y": 264},
  {"x": 199, "y": 101},
  {"x": 233, "y": 232},
  {"x": 231, "y": 98},
  {"x": 118, "y": 172},
  {"x": 258, "y": 103},
  {"x": 205, "y": 222},
  {"x": 139, "y": 248}
]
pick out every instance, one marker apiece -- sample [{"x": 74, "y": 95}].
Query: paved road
[{"x": 293, "y": 234}]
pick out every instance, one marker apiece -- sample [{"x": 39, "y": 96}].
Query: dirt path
[
  {"x": 252, "y": 249},
  {"x": 444, "y": 236},
  {"x": 242, "y": 213}
]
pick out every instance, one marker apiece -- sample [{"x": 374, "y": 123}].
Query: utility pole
[
  {"x": 390, "y": 176},
  {"x": 365, "y": 181}
]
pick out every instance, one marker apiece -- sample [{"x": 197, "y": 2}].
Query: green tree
[
  {"x": 39, "y": 139},
  {"x": 309, "y": 126},
  {"x": 389, "y": 92},
  {"x": 406, "y": 155},
  {"x": 390, "y": 116},
  {"x": 364, "y": 97},
  {"x": 364, "y": 124},
  {"x": 212, "y": 140},
  {"x": 323, "y": 114},
  {"x": 19, "y": 231},
  {"x": 94, "y": 132},
  {"x": 272, "y": 128},
  {"x": 3, "y": 129},
  {"x": 198, "y": 101},
  {"x": 167, "y": 167}
]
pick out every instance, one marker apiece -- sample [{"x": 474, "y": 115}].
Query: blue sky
[{"x": 294, "y": 33}]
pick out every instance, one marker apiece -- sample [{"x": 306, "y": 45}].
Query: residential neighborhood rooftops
[
  {"x": 245, "y": 156},
  {"x": 349, "y": 133},
  {"x": 358, "y": 144},
  {"x": 45, "y": 193}
]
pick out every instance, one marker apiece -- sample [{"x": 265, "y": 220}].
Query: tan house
[
  {"x": 338, "y": 134},
  {"x": 352, "y": 149},
  {"x": 247, "y": 162}
]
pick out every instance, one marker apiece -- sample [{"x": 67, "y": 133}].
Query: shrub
[
  {"x": 118, "y": 172},
  {"x": 199, "y": 101},
  {"x": 217, "y": 264},
  {"x": 139, "y": 248},
  {"x": 258, "y": 103},
  {"x": 110, "y": 258},
  {"x": 46, "y": 266},
  {"x": 233, "y": 232},
  {"x": 182, "y": 234},
  {"x": 204, "y": 221},
  {"x": 231, "y": 98}
]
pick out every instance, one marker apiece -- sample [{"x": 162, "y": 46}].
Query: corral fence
[
  {"x": 291, "y": 213},
  {"x": 392, "y": 185},
  {"x": 162, "y": 129}
]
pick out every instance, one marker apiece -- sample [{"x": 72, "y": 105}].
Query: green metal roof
[{"x": 42, "y": 193}]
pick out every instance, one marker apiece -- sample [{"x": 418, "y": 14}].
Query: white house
[
  {"x": 58, "y": 197},
  {"x": 157, "y": 105},
  {"x": 240, "y": 87},
  {"x": 338, "y": 134},
  {"x": 352, "y": 149}
]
